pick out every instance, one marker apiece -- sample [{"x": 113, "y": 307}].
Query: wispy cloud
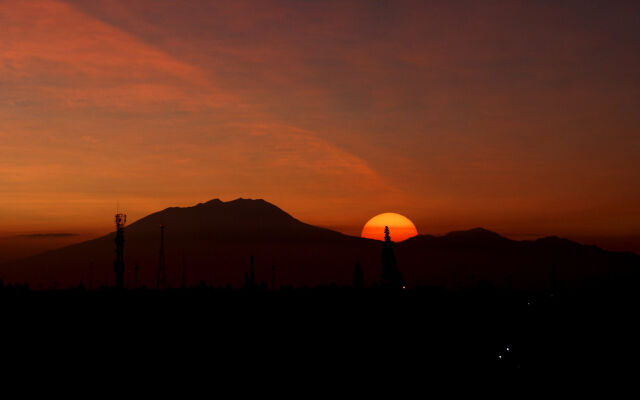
[
  {"x": 47, "y": 235},
  {"x": 335, "y": 110}
]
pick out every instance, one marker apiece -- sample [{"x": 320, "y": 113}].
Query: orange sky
[{"x": 518, "y": 116}]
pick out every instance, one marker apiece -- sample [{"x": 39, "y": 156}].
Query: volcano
[{"x": 214, "y": 242}]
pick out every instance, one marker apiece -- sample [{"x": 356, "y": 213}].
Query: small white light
[
  {"x": 404, "y": 287},
  {"x": 507, "y": 348},
  {"x": 500, "y": 357}
]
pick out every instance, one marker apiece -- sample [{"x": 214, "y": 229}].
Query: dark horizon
[
  {"x": 216, "y": 239},
  {"x": 19, "y": 246}
]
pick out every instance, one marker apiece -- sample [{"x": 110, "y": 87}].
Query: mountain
[
  {"x": 466, "y": 258},
  {"x": 233, "y": 220},
  {"x": 215, "y": 240}
]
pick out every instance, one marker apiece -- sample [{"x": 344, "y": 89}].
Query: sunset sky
[{"x": 521, "y": 117}]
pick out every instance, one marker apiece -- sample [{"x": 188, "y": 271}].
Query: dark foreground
[{"x": 329, "y": 330}]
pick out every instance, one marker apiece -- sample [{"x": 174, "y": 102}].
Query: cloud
[
  {"x": 91, "y": 113},
  {"x": 47, "y": 235},
  {"x": 332, "y": 109},
  {"x": 52, "y": 53}
]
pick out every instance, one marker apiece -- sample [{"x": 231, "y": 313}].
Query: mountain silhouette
[
  {"x": 466, "y": 258},
  {"x": 215, "y": 241},
  {"x": 232, "y": 220}
]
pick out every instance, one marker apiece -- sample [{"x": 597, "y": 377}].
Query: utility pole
[
  {"x": 184, "y": 273},
  {"x": 162, "y": 269}
]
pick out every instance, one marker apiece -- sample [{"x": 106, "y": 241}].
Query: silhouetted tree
[
  {"x": 358, "y": 276},
  {"x": 391, "y": 276}
]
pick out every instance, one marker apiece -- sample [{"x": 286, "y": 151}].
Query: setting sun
[{"x": 400, "y": 227}]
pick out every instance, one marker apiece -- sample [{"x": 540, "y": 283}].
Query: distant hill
[
  {"x": 216, "y": 239},
  {"x": 466, "y": 258}
]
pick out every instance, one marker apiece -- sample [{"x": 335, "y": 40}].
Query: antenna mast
[{"x": 118, "y": 264}]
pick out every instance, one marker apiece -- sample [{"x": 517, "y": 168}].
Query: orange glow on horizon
[
  {"x": 400, "y": 227},
  {"x": 169, "y": 104}
]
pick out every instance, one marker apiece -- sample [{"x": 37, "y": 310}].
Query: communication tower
[{"x": 118, "y": 264}]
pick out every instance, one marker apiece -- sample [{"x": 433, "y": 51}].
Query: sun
[{"x": 400, "y": 227}]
